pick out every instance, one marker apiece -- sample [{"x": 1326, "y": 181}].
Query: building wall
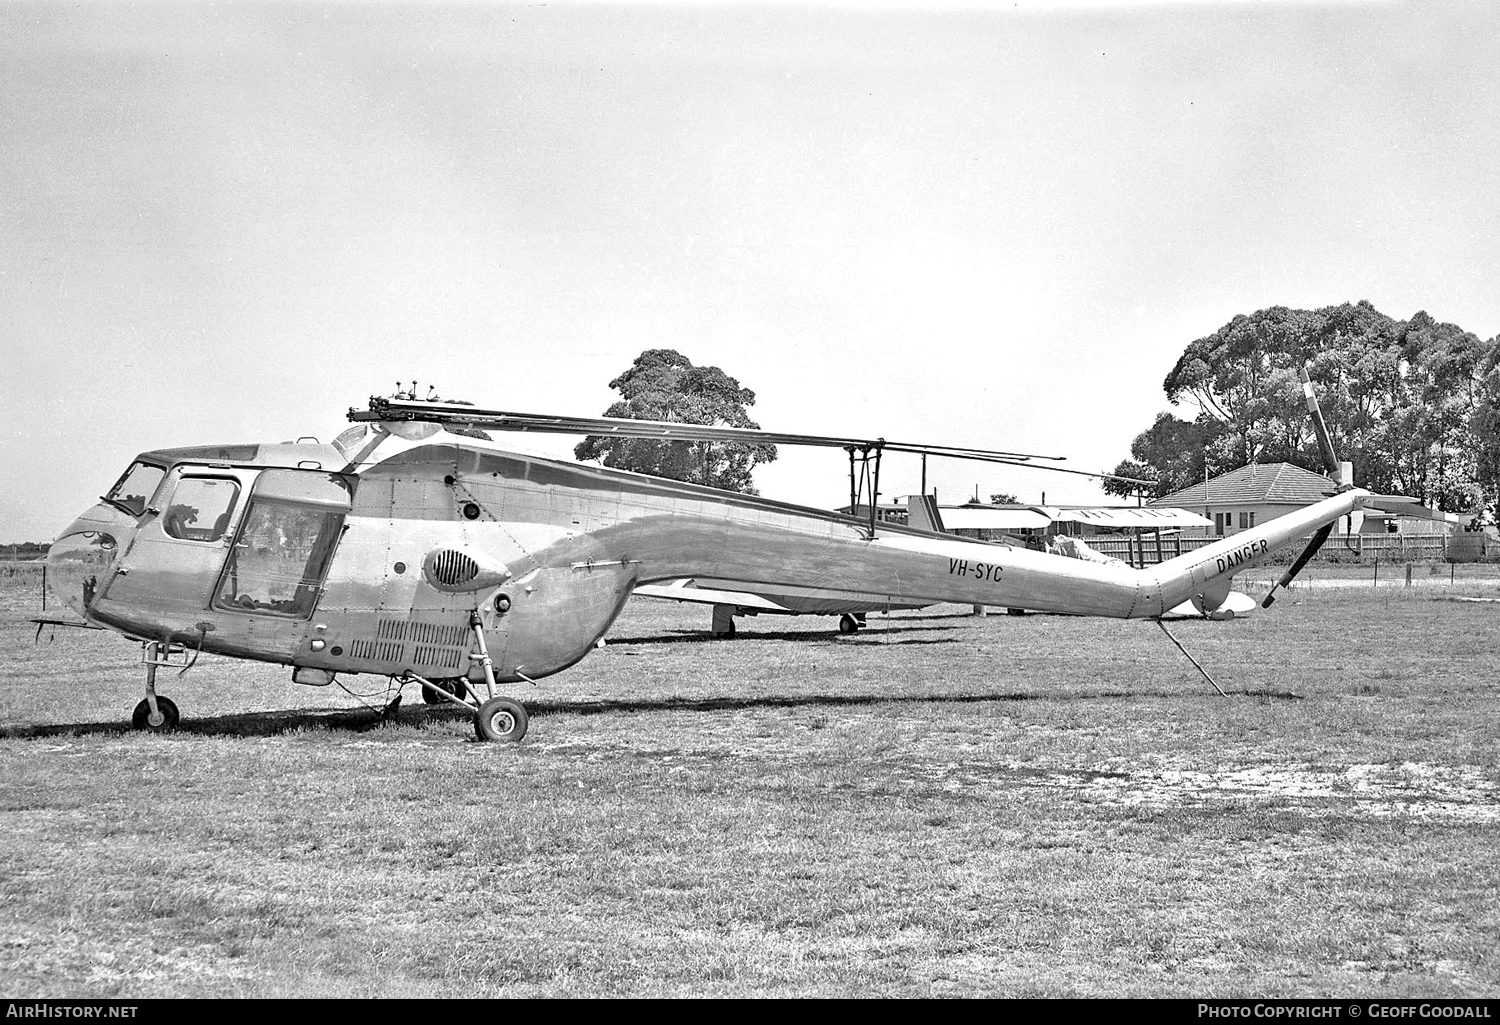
[{"x": 1231, "y": 517}]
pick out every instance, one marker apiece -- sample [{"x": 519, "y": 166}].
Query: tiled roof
[{"x": 1271, "y": 483}]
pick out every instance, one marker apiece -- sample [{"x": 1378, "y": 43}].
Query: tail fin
[{"x": 922, "y": 513}]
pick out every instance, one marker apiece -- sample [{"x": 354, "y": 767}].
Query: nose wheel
[
  {"x": 156, "y": 713},
  {"x": 160, "y": 721}
]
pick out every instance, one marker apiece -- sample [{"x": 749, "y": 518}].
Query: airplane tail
[
  {"x": 1204, "y": 576},
  {"x": 922, "y": 513}
]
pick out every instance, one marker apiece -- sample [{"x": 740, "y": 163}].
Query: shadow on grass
[{"x": 361, "y": 720}]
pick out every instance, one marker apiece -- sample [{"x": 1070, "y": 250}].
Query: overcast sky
[{"x": 955, "y": 225}]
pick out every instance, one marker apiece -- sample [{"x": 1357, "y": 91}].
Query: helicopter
[{"x": 415, "y": 547}]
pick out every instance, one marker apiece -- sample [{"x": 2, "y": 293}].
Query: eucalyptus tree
[
  {"x": 663, "y": 384},
  {"x": 1410, "y": 403}
]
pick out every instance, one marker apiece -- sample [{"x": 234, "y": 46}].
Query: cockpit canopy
[{"x": 133, "y": 491}]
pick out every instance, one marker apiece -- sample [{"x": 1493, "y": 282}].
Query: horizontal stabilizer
[{"x": 1401, "y": 505}]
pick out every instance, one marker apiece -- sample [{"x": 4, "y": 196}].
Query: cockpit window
[
  {"x": 135, "y": 489},
  {"x": 285, "y": 542},
  {"x": 200, "y": 508},
  {"x": 348, "y": 442}
]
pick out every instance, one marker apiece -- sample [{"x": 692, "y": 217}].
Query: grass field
[{"x": 940, "y": 805}]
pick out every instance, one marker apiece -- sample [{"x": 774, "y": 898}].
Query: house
[{"x": 1242, "y": 498}]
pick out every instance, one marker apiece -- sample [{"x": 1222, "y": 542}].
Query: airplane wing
[
  {"x": 771, "y": 599},
  {"x": 1140, "y": 517},
  {"x": 686, "y": 590}
]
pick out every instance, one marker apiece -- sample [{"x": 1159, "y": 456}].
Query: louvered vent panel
[
  {"x": 454, "y": 569},
  {"x": 437, "y": 633},
  {"x": 376, "y": 651},
  {"x": 434, "y": 655},
  {"x": 391, "y": 629}
]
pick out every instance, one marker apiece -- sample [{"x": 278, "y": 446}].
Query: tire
[
  {"x": 848, "y": 624},
  {"x": 141, "y": 719},
  {"x": 502, "y": 720}
]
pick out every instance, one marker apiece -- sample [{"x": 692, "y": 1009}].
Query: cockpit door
[
  {"x": 285, "y": 542},
  {"x": 175, "y": 557}
]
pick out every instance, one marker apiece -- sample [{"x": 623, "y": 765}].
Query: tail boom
[{"x": 1208, "y": 569}]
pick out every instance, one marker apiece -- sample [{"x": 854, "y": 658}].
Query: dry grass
[{"x": 940, "y": 805}]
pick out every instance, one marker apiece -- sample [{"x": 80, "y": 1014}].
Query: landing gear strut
[
  {"x": 498, "y": 718},
  {"x": 156, "y": 713}
]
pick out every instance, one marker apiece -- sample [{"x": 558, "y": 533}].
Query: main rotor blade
[
  {"x": 1302, "y": 560},
  {"x": 661, "y": 430},
  {"x": 657, "y": 430}
]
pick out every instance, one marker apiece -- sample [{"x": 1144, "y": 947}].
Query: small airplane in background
[{"x": 413, "y": 547}]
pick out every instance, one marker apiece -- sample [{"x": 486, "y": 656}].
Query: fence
[{"x": 1147, "y": 550}]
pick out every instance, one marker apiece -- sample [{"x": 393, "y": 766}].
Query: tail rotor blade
[
  {"x": 1320, "y": 428},
  {"x": 1302, "y": 560}
]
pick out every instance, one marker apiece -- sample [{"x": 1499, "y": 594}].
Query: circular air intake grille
[{"x": 453, "y": 569}]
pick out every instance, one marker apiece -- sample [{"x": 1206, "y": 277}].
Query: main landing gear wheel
[
  {"x": 500, "y": 719},
  {"x": 161, "y": 723},
  {"x": 848, "y": 624},
  {"x": 457, "y": 687}
]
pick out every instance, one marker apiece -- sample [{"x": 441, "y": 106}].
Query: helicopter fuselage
[{"x": 375, "y": 555}]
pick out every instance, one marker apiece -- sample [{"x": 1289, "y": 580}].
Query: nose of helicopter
[{"x": 81, "y": 559}]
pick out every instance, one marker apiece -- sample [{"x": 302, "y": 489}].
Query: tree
[
  {"x": 1244, "y": 378},
  {"x": 1125, "y": 489},
  {"x": 1405, "y": 401},
  {"x": 663, "y": 384},
  {"x": 1173, "y": 453},
  {"x": 1004, "y": 498},
  {"x": 1485, "y": 427}
]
